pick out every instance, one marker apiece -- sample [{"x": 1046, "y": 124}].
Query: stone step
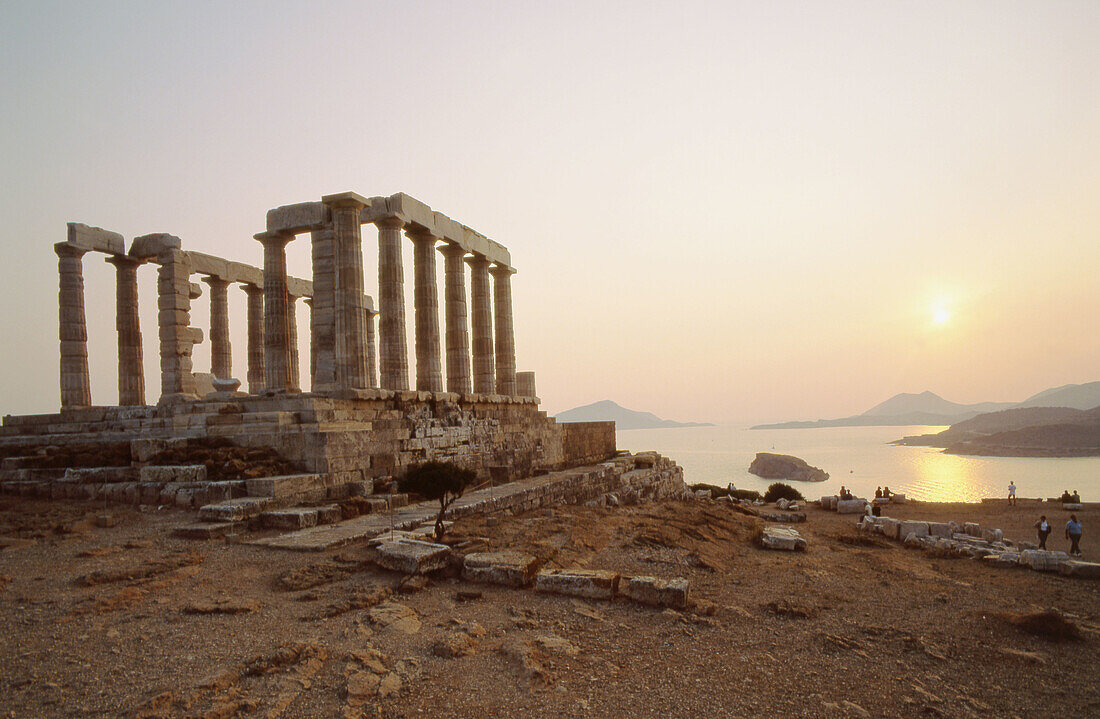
[
  {"x": 206, "y": 530},
  {"x": 234, "y": 510},
  {"x": 289, "y": 485},
  {"x": 300, "y": 517}
]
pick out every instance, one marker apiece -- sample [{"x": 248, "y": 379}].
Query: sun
[{"x": 941, "y": 315}]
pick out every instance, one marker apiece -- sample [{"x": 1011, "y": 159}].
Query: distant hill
[
  {"x": 608, "y": 411},
  {"x": 1020, "y": 432},
  {"x": 930, "y": 409}
]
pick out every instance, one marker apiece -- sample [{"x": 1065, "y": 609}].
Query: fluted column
[
  {"x": 131, "y": 370},
  {"x": 276, "y": 322},
  {"x": 481, "y": 321},
  {"x": 177, "y": 337},
  {"x": 255, "y": 338},
  {"x": 505, "y": 338},
  {"x": 322, "y": 314},
  {"x": 221, "y": 353},
  {"x": 429, "y": 377},
  {"x": 372, "y": 351},
  {"x": 349, "y": 341},
  {"x": 391, "y": 306},
  {"x": 457, "y": 334},
  {"x": 72, "y": 328},
  {"x": 292, "y": 340}
]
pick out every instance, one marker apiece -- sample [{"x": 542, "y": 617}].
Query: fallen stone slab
[
  {"x": 889, "y": 527},
  {"x": 291, "y": 518},
  {"x": 233, "y": 510},
  {"x": 784, "y": 517},
  {"x": 851, "y": 506},
  {"x": 907, "y": 527},
  {"x": 973, "y": 529},
  {"x": 992, "y": 535},
  {"x": 898, "y": 498},
  {"x": 1077, "y": 568},
  {"x": 289, "y": 485},
  {"x": 940, "y": 529},
  {"x": 588, "y": 583},
  {"x": 412, "y": 556},
  {"x": 1043, "y": 561},
  {"x": 1002, "y": 559},
  {"x": 1072, "y": 507},
  {"x": 509, "y": 569},
  {"x": 656, "y": 592},
  {"x": 206, "y": 530},
  {"x": 784, "y": 538}
]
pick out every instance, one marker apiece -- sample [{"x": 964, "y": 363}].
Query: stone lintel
[
  {"x": 153, "y": 244},
  {"x": 298, "y": 218},
  {"x": 95, "y": 239}
]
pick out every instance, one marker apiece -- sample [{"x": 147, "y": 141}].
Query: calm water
[{"x": 861, "y": 459}]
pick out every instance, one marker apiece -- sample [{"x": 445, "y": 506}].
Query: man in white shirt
[{"x": 1012, "y": 493}]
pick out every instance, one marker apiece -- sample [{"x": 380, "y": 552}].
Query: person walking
[
  {"x": 1073, "y": 534},
  {"x": 1043, "y": 528},
  {"x": 1012, "y": 493}
]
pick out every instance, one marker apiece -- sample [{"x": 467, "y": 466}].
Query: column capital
[
  {"x": 476, "y": 260},
  {"x": 251, "y": 289},
  {"x": 66, "y": 249},
  {"x": 274, "y": 237},
  {"x": 390, "y": 223},
  {"x": 452, "y": 249},
  {"x": 214, "y": 281},
  {"x": 352, "y": 200},
  {"x": 124, "y": 261},
  {"x": 501, "y": 270},
  {"x": 416, "y": 233}
]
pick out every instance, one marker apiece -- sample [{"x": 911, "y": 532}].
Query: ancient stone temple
[{"x": 364, "y": 419}]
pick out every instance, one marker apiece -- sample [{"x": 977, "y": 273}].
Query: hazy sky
[{"x": 719, "y": 211}]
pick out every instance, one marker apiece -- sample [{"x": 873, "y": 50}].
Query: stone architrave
[
  {"x": 393, "y": 349},
  {"x": 292, "y": 341},
  {"x": 276, "y": 321},
  {"x": 72, "y": 327},
  {"x": 256, "y": 377},
  {"x": 481, "y": 322},
  {"x": 221, "y": 353},
  {"x": 131, "y": 370},
  {"x": 429, "y": 378},
  {"x": 177, "y": 337},
  {"x": 322, "y": 315},
  {"x": 457, "y": 332},
  {"x": 505, "y": 337},
  {"x": 350, "y": 334}
]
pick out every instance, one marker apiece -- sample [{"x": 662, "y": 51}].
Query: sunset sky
[{"x": 725, "y": 211}]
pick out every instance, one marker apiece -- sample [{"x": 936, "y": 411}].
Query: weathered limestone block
[
  {"x": 1043, "y": 561},
  {"x": 284, "y": 486},
  {"x": 992, "y": 535},
  {"x": 1002, "y": 559},
  {"x": 95, "y": 239},
  {"x": 1072, "y": 507},
  {"x": 906, "y": 528},
  {"x": 589, "y": 583},
  {"x": 784, "y": 538},
  {"x": 100, "y": 475},
  {"x": 154, "y": 244},
  {"x": 784, "y": 517},
  {"x": 940, "y": 529},
  {"x": 829, "y": 502},
  {"x": 973, "y": 529},
  {"x": 889, "y": 527},
  {"x": 412, "y": 556},
  {"x": 851, "y": 506},
  {"x": 329, "y": 514},
  {"x": 897, "y": 498},
  {"x": 656, "y": 592},
  {"x": 1077, "y": 568},
  {"x": 298, "y": 218},
  {"x": 234, "y": 510},
  {"x": 173, "y": 473},
  {"x": 293, "y": 518},
  {"x": 510, "y": 569}
]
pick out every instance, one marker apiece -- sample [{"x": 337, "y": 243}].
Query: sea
[{"x": 862, "y": 459}]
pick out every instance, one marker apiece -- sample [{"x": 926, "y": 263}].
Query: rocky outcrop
[{"x": 784, "y": 466}]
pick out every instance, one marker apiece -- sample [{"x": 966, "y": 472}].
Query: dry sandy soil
[{"x": 128, "y": 621}]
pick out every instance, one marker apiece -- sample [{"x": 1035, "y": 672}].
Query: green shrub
[
  {"x": 782, "y": 491},
  {"x": 442, "y": 481},
  {"x": 715, "y": 492},
  {"x": 750, "y": 494}
]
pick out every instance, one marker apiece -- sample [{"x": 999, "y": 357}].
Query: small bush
[
  {"x": 750, "y": 494},
  {"x": 442, "y": 481},
  {"x": 782, "y": 491},
  {"x": 715, "y": 491}
]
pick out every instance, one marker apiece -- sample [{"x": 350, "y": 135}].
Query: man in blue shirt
[{"x": 1073, "y": 534}]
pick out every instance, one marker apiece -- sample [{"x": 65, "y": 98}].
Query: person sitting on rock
[
  {"x": 1043, "y": 528},
  {"x": 886, "y": 492},
  {"x": 1073, "y": 534},
  {"x": 878, "y": 493},
  {"x": 1066, "y": 497},
  {"x": 1076, "y": 498}
]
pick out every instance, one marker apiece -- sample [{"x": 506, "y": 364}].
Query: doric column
[
  {"x": 429, "y": 378},
  {"x": 72, "y": 328},
  {"x": 372, "y": 352},
  {"x": 350, "y": 335},
  {"x": 256, "y": 373},
  {"x": 292, "y": 340},
  {"x": 505, "y": 339},
  {"x": 458, "y": 336},
  {"x": 481, "y": 321},
  {"x": 276, "y": 322},
  {"x": 322, "y": 314},
  {"x": 221, "y": 354},
  {"x": 312, "y": 346},
  {"x": 391, "y": 306},
  {"x": 525, "y": 384},
  {"x": 131, "y": 370},
  {"x": 177, "y": 337}
]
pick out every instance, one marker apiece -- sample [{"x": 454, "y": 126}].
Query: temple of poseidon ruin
[{"x": 237, "y": 455}]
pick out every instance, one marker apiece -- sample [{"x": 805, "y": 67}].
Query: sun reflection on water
[{"x": 943, "y": 477}]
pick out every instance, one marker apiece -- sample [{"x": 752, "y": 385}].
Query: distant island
[
  {"x": 608, "y": 411},
  {"x": 929, "y": 408},
  {"x": 1020, "y": 432}
]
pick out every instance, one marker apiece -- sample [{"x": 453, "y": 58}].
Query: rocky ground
[{"x": 125, "y": 620}]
